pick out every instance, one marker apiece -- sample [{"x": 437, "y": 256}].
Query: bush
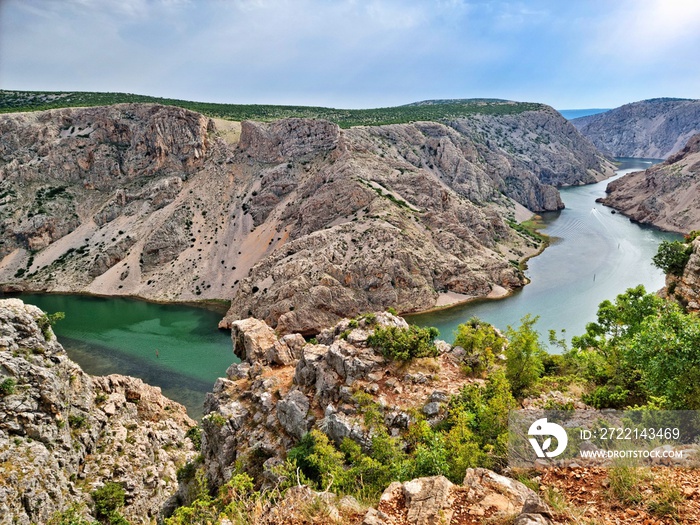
[
  {"x": 404, "y": 344},
  {"x": 46, "y": 321},
  {"x": 7, "y": 387},
  {"x": 672, "y": 257},
  {"x": 608, "y": 396},
  {"x": 481, "y": 343},
  {"x": 195, "y": 435},
  {"x": 108, "y": 500}
]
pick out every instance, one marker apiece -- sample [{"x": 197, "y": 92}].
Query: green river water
[
  {"x": 178, "y": 348},
  {"x": 594, "y": 255}
]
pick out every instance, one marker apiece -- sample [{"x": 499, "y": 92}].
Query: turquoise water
[
  {"x": 595, "y": 254},
  {"x": 175, "y": 347}
]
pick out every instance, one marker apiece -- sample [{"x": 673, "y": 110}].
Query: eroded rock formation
[
  {"x": 297, "y": 222},
  {"x": 64, "y": 433},
  {"x": 666, "y": 195}
]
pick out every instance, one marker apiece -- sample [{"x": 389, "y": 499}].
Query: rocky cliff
[
  {"x": 653, "y": 128},
  {"x": 64, "y": 434},
  {"x": 686, "y": 288},
  {"x": 297, "y": 222},
  {"x": 666, "y": 195}
]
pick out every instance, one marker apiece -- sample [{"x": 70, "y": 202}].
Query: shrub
[
  {"x": 404, "y": 344},
  {"x": 672, "y": 257},
  {"x": 7, "y": 387},
  {"x": 46, "y": 321},
  {"x": 607, "y": 396},
  {"x": 481, "y": 342},
  {"x": 524, "y": 356},
  {"x": 195, "y": 435},
  {"x": 108, "y": 500}
]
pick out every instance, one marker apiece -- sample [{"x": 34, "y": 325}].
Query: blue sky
[{"x": 353, "y": 53}]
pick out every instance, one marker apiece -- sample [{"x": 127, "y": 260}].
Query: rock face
[
  {"x": 484, "y": 497},
  {"x": 64, "y": 433},
  {"x": 666, "y": 195},
  {"x": 264, "y": 406},
  {"x": 297, "y": 222},
  {"x": 653, "y": 128},
  {"x": 686, "y": 288}
]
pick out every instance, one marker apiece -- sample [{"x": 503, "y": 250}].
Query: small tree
[
  {"x": 481, "y": 343},
  {"x": 672, "y": 257},
  {"x": 524, "y": 356}
]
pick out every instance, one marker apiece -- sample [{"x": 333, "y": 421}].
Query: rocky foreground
[
  {"x": 64, "y": 433},
  {"x": 654, "y": 129},
  {"x": 666, "y": 195},
  {"x": 296, "y": 222}
]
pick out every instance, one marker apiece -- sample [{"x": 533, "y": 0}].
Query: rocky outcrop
[
  {"x": 264, "y": 406},
  {"x": 297, "y": 222},
  {"x": 64, "y": 433},
  {"x": 655, "y": 128},
  {"x": 666, "y": 195},
  {"x": 483, "y": 497},
  {"x": 686, "y": 288}
]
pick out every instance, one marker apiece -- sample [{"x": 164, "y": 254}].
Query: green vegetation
[
  {"x": 7, "y": 387},
  {"x": 14, "y": 101},
  {"x": 46, "y": 321},
  {"x": 672, "y": 257},
  {"x": 481, "y": 343},
  {"x": 524, "y": 356},
  {"x": 642, "y": 349},
  {"x": 404, "y": 344},
  {"x": 108, "y": 500}
]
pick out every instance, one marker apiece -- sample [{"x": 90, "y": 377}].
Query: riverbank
[{"x": 593, "y": 255}]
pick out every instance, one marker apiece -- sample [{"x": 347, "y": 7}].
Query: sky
[{"x": 353, "y": 53}]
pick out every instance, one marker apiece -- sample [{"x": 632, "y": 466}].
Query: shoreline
[
  {"x": 219, "y": 306},
  {"x": 500, "y": 291}
]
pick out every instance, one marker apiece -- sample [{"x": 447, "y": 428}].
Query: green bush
[
  {"x": 607, "y": 396},
  {"x": 481, "y": 343},
  {"x": 672, "y": 256},
  {"x": 108, "y": 500},
  {"x": 195, "y": 435},
  {"x": 46, "y": 321},
  {"x": 404, "y": 344},
  {"x": 7, "y": 387}
]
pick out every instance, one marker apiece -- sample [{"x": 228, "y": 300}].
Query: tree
[
  {"x": 672, "y": 257},
  {"x": 524, "y": 356}
]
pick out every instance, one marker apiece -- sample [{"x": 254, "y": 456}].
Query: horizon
[{"x": 352, "y": 54}]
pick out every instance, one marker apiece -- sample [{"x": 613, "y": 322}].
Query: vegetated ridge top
[{"x": 430, "y": 110}]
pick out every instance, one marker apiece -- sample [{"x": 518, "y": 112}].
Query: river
[
  {"x": 178, "y": 348},
  {"x": 594, "y": 255}
]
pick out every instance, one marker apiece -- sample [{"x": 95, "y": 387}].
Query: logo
[{"x": 542, "y": 428}]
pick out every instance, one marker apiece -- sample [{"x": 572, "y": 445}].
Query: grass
[{"x": 22, "y": 101}]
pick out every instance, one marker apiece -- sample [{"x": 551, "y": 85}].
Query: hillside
[
  {"x": 15, "y": 101},
  {"x": 666, "y": 195},
  {"x": 653, "y": 128},
  {"x": 296, "y": 222}
]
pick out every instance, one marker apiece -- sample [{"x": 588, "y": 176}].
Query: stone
[
  {"x": 291, "y": 412},
  {"x": 252, "y": 340}
]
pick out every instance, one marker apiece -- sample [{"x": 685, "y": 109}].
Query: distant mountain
[
  {"x": 666, "y": 195},
  {"x": 570, "y": 114},
  {"x": 654, "y": 128}
]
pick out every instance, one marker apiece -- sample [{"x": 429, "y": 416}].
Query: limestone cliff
[
  {"x": 686, "y": 288},
  {"x": 653, "y": 128},
  {"x": 64, "y": 433},
  {"x": 666, "y": 195},
  {"x": 297, "y": 222}
]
